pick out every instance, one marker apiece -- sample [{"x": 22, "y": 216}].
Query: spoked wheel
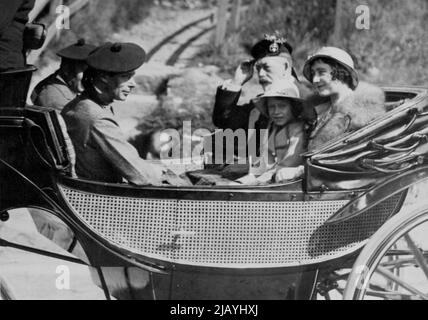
[{"x": 394, "y": 263}]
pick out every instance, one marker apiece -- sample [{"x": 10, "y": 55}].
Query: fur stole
[{"x": 365, "y": 104}]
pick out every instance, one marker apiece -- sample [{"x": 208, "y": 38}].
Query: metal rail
[
  {"x": 163, "y": 42},
  {"x": 79, "y": 4},
  {"x": 177, "y": 53}
]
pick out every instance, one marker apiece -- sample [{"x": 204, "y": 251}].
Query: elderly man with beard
[
  {"x": 65, "y": 84},
  {"x": 273, "y": 63}
]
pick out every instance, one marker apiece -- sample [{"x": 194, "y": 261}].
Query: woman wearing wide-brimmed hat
[{"x": 350, "y": 104}]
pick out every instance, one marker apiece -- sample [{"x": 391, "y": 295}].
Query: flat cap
[
  {"x": 78, "y": 51},
  {"x": 271, "y": 45},
  {"x": 117, "y": 57}
]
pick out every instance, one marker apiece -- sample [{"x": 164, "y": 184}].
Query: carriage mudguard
[{"x": 379, "y": 193}]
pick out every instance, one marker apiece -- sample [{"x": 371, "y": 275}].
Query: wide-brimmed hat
[
  {"x": 78, "y": 51},
  {"x": 117, "y": 57},
  {"x": 290, "y": 93},
  {"x": 336, "y": 54}
]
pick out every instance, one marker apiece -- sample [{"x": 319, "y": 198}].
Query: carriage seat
[
  {"x": 56, "y": 144},
  {"x": 14, "y": 85},
  {"x": 48, "y": 133}
]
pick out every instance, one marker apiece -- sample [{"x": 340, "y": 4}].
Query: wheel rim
[{"x": 394, "y": 264}]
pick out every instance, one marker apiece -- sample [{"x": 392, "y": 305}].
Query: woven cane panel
[{"x": 226, "y": 233}]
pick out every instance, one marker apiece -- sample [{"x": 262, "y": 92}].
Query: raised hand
[
  {"x": 244, "y": 72},
  {"x": 287, "y": 174}
]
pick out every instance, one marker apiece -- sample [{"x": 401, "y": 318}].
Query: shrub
[{"x": 100, "y": 19}]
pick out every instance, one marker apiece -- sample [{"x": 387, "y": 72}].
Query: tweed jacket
[
  {"x": 102, "y": 152},
  {"x": 365, "y": 104},
  {"x": 52, "y": 92}
]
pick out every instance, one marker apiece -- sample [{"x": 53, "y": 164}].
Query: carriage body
[{"x": 204, "y": 242}]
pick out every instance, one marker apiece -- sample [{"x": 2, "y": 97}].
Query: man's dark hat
[
  {"x": 78, "y": 51},
  {"x": 271, "y": 46},
  {"x": 117, "y": 57}
]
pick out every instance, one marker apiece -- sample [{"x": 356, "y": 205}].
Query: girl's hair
[{"x": 339, "y": 72}]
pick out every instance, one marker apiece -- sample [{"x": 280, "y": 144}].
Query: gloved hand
[
  {"x": 173, "y": 179},
  {"x": 290, "y": 173},
  {"x": 244, "y": 72}
]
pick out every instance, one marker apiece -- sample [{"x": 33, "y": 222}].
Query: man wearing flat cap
[
  {"x": 65, "y": 84},
  {"x": 102, "y": 151}
]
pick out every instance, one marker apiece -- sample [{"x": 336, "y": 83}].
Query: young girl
[{"x": 285, "y": 140}]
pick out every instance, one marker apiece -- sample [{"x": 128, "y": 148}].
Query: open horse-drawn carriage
[{"x": 278, "y": 241}]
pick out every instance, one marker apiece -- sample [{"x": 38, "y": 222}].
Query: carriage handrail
[
  {"x": 418, "y": 104},
  {"x": 378, "y": 193}
]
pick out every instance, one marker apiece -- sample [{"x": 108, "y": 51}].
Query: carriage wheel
[{"x": 394, "y": 263}]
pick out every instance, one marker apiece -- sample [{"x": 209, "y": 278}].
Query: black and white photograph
[{"x": 213, "y": 154}]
